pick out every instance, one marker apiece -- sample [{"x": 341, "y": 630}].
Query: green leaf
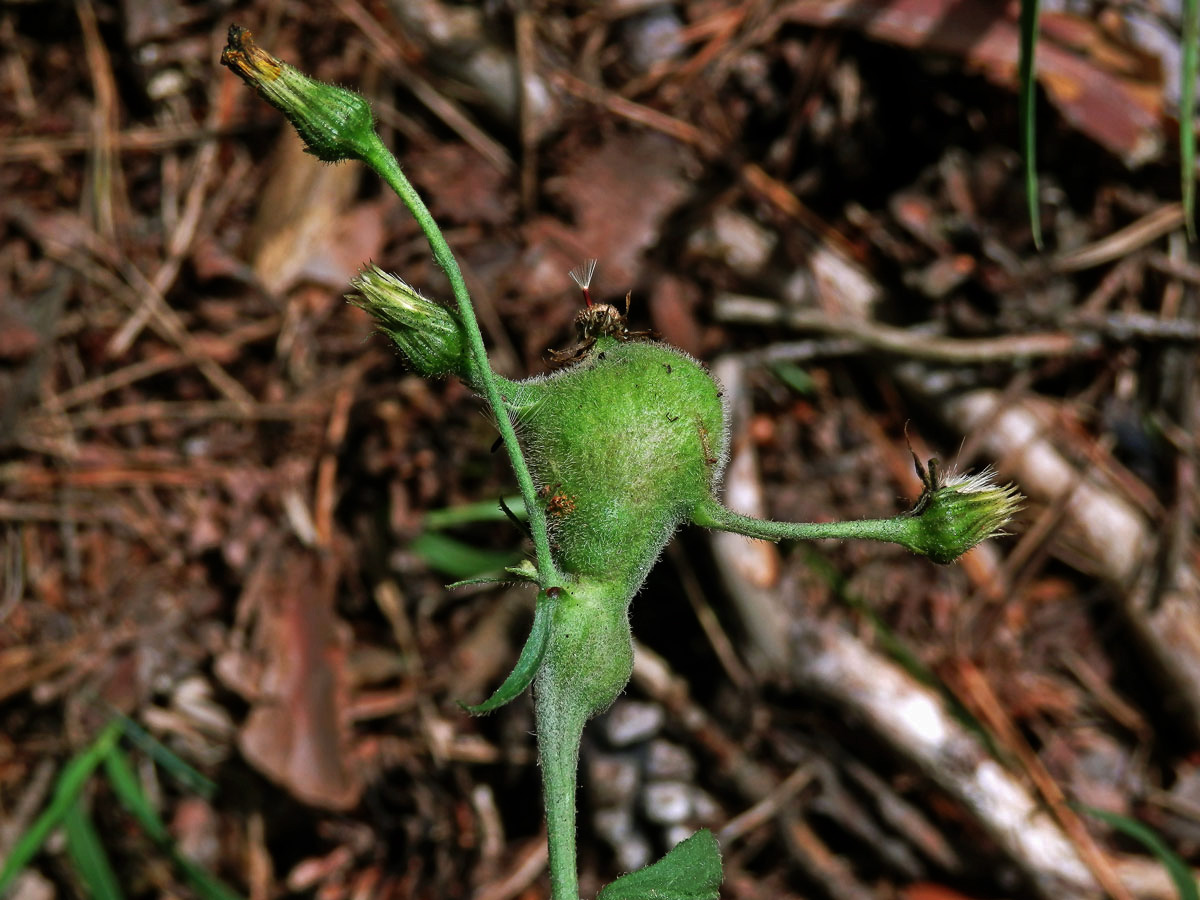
[
  {"x": 528, "y": 662},
  {"x": 87, "y": 853},
  {"x": 1028, "y": 113},
  {"x": 177, "y": 768},
  {"x": 1187, "y": 110},
  {"x": 469, "y": 513},
  {"x": 692, "y": 871},
  {"x": 66, "y": 791},
  {"x": 1181, "y": 875},
  {"x": 453, "y": 557},
  {"x": 794, "y": 377},
  {"x": 129, "y": 792}
]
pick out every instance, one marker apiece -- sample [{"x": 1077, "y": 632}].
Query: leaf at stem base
[{"x": 691, "y": 871}]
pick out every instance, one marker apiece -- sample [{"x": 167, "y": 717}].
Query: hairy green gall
[{"x": 625, "y": 442}]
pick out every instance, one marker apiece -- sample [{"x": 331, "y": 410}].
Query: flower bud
[
  {"x": 334, "y": 123},
  {"x": 954, "y": 515},
  {"x": 426, "y": 332}
]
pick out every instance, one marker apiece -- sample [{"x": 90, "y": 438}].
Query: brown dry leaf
[
  {"x": 620, "y": 193},
  {"x": 1122, "y": 113},
  {"x": 293, "y": 673},
  {"x": 305, "y": 228},
  {"x": 461, "y": 185}
]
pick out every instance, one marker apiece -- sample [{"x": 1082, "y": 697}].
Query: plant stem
[
  {"x": 379, "y": 158},
  {"x": 558, "y": 753},
  {"x": 897, "y": 530}
]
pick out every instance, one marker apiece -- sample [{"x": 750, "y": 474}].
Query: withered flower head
[{"x": 334, "y": 123}]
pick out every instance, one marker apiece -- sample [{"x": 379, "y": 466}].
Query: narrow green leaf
[
  {"x": 1028, "y": 113},
  {"x": 125, "y": 785},
  {"x": 183, "y": 773},
  {"x": 87, "y": 853},
  {"x": 528, "y": 662},
  {"x": 794, "y": 377},
  {"x": 66, "y": 790},
  {"x": 458, "y": 559},
  {"x": 691, "y": 871},
  {"x": 1189, "y": 65},
  {"x": 469, "y": 513},
  {"x": 1181, "y": 875}
]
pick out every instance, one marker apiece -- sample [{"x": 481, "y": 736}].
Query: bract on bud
[
  {"x": 426, "y": 332},
  {"x": 954, "y": 515},
  {"x": 334, "y": 123}
]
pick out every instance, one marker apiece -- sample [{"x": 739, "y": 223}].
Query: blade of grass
[
  {"x": 1189, "y": 64},
  {"x": 66, "y": 791},
  {"x": 1028, "y": 113},
  {"x": 87, "y": 853},
  {"x": 1181, "y": 875},
  {"x": 161, "y": 754},
  {"x": 125, "y": 785},
  {"x": 469, "y": 513},
  {"x": 457, "y": 559}
]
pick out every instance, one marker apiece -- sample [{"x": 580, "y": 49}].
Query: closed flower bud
[
  {"x": 954, "y": 515},
  {"x": 426, "y": 332},
  {"x": 334, "y": 123}
]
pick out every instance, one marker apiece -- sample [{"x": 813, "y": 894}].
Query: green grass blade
[
  {"x": 469, "y": 513},
  {"x": 125, "y": 785},
  {"x": 1187, "y": 110},
  {"x": 1181, "y": 875},
  {"x": 458, "y": 559},
  {"x": 1028, "y": 113},
  {"x": 66, "y": 791},
  {"x": 161, "y": 754},
  {"x": 87, "y": 853}
]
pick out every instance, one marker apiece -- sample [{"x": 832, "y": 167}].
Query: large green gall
[{"x": 624, "y": 443}]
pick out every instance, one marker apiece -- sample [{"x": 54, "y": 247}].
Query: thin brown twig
[
  {"x": 190, "y": 412},
  {"x": 452, "y": 115},
  {"x": 987, "y": 706},
  {"x": 182, "y": 235},
  {"x": 1144, "y": 231},
  {"x": 130, "y": 288}
]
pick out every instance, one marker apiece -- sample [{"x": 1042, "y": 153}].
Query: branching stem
[
  {"x": 379, "y": 158},
  {"x": 897, "y": 530}
]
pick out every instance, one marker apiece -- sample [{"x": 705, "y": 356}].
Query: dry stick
[
  {"x": 987, "y": 706},
  {"x": 526, "y": 38},
  {"x": 738, "y": 675},
  {"x": 752, "y": 779},
  {"x": 899, "y": 341},
  {"x": 767, "y": 808},
  {"x": 136, "y": 139},
  {"x": 194, "y": 411},
  {"x": 452, "y": 115},
  {"x": 130, "y": 289},
  {"x": 1145, "y": 230},
  {"x": 105, "y": 170},
  {"x": 526, "y": 867},
  {"x": 177, "y": 248},
  {"x": 90, "y": 391}
]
